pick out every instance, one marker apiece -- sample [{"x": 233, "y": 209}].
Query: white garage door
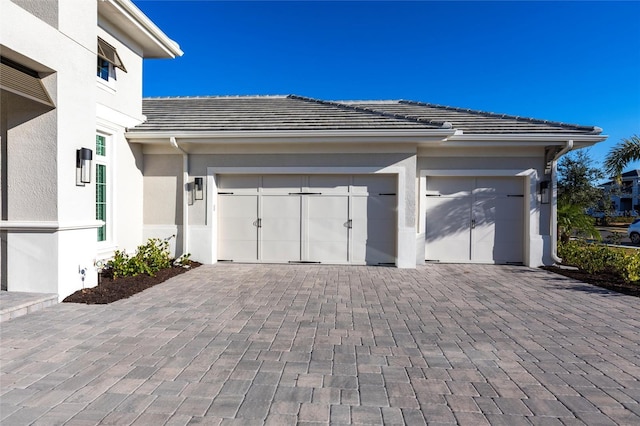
[
  {"x": 474, "y": 219},
  {"x": 336, "y": 219}
]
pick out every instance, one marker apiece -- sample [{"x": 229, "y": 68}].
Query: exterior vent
[{"x": 23, "y": 84}]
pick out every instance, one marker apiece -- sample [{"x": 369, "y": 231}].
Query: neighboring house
[
  {"x": 283, "y": 179},
  {"x": 625, "y": 196},
  {"x": 71, "y": 78}
]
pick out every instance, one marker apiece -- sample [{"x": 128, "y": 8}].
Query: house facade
[
  {"x": 71, "y": 83},
  {"x": 289, "y": 179},
  {"x": 89, "y": 167},
  {"x": 625, "y": 196}
]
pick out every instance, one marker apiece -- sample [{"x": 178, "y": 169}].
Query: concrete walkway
[{"x": 287, "y": 344}]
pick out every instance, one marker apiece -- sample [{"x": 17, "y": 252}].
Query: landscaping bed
[
  {"x": 109, "y": 290},
  {"x": 607, "y": 280}
]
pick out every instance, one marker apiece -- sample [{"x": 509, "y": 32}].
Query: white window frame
[
  {"x": 108, "y": 85},
  {"x": 108, "y": 245}
]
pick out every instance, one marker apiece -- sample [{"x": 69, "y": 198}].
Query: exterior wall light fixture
[
  {"x": 199, "y": 188},
  {"x": 83, "y": 166},
  {"x": 545, "y": 193}
]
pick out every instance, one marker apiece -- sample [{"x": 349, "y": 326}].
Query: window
[
  {"x": 108, "y": 61},
  {"x": 104, "y": 69},
  {"x": 101, "y": 185}
]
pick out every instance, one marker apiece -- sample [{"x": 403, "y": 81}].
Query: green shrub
[
  {"x": 149, "y": 259},
  {"x": 597, "y": 258},
  {"x": 183, "y": 261}
]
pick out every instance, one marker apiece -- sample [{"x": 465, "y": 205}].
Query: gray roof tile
[{"x": 259, "y": 113}]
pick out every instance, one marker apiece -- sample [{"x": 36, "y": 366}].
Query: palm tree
[
  {"x": 572, "y": 219},
  {"x": 621, "y": 155}
]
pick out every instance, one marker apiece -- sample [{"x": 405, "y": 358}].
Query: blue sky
[{"x": 576, "y": 62}]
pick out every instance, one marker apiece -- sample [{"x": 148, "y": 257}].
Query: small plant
[
  {"x": 149, "y": 259},
  {"x": 183, "y": 261}
]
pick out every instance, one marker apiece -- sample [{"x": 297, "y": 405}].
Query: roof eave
[
  {"x": 133, "y": 22},
  {"x": 293, "y": 136},
  {"x": 524, "y": 139}
]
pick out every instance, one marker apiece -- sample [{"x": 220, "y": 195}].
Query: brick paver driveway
[{"x": 247, "y": 344}]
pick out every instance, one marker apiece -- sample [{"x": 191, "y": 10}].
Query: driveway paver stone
[{"x": 314, "y": 344}]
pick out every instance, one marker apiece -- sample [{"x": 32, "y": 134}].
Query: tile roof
[{"x": 247, "y": 113}]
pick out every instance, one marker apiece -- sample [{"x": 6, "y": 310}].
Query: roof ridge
[
  {"x": 372, "y": 111},
  {"x": 592, "y": 129},
  {"x": 219, "y": 97}
]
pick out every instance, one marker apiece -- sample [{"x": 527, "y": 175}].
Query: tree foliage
[
  {"x": 626, "y": 151},
  {"x": 577, "y": 177},
  {"x": 573, "y": 220}
]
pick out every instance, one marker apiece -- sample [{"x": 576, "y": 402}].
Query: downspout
[
  {"x": 568, "y": 146},
  {"x": 185, "y": 201}
]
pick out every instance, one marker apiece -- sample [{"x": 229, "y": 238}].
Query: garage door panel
[
  {"x": 499, "y": 186},
  {"x": 237, "y": 231},
  {"x": 448, "y": 236},
  {"x": 327, "y": 229},
  {"x": 488, "y": 220},
  {"x": 374, "y": 229},
  {"x": 374, "y": 184},
  {"x": 372, "y": 253},
  {"x": 230, "y": 183},
  {"x": 499, "y": 239},
  {"x": 329, "y": 184},
  {"x": 281, "y": 183},
  {"x": 317, "y": 218},
  {"x": 280, "y": 230},
  {"x": 450, "y": 186}
]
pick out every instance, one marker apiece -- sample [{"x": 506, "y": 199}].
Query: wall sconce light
[
  {"x": 199, "y": 188},
  {"x": 83, "y": 166},
  {"x": 545, "y": 193}
]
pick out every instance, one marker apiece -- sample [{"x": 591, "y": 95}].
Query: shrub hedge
[
  {"x": 149, "y": 259},
  {"x": 596, "y": 258}
]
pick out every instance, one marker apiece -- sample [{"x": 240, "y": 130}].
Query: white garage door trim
[
  {"x": 405, "y": 235},
  {"x": 529, "y": 199}
]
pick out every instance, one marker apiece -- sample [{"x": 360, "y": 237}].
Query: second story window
[
  {"x": 108, "y": 61},
  {"x": 104, "y": 69}
]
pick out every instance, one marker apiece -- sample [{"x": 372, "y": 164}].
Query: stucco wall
[
  {"x": 163, "y": 190},
  {"x": 129, "y": 195},
  {"x": 47, "y": 10},
  {"x": 126, "y": 94},
  {"x": 29, "y": 145},
  {"x": 41, "y": 146}
]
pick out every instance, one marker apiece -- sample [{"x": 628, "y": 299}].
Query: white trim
[
  {"x": 47, "y": 226},
  {"x": 139, "y": 26},
  {"x": 114, "y": 120},
  {"x": 292, "y": 136},
  {"x": 405, "y": 242},
  {"x": 523, "y": 139},
  {"x": 108, "y": 85},
  {"x": 531, "y": 177},
  {"x": 109, "y": 162}
]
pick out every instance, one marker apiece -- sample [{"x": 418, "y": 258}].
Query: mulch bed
[
  {"x": 109, "y": 290},
  {"x": 606, "y": 280}
]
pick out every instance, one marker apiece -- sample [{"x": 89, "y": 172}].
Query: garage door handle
[
  {"x": 258, "y": 223},
  {"x": 349, "y": 224}
]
